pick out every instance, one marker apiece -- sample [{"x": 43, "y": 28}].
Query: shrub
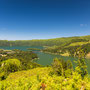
[
  {"x": 38, "y": 79},
  {"x": 57, "y": 67},
  {"x": 61, "y": 67},
  {"x": 8, "y": 66}
]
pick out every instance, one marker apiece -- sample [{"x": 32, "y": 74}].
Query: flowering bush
[{"x": 39, "y": 78}]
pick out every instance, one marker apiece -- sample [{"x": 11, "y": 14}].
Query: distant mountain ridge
[{"x": 44, "y": 42}]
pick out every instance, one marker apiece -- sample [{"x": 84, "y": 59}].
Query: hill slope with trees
[{"x": 44, "y": 42}]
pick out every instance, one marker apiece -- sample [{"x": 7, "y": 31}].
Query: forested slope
[
  {"x": 71, "y": 47},
  {"x": 44, "y": 42}
]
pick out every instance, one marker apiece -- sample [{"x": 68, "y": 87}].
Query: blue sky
[{"x": 42, "y": 19}]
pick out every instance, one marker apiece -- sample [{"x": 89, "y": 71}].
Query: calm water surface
[{"x": 45, "y": 58}]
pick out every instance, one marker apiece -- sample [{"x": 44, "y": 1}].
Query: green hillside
[
  {"x": 70, "y": 48},
  {"x": 19, "y": 72},
  {"x": 44, "y": 42}
]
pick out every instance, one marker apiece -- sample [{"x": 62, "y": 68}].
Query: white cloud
[{"x": 83, "y": 25}]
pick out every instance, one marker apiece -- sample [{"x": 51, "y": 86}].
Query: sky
[{"x": 43, "y": 19}]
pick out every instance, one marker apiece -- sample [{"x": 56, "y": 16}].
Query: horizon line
[{"x": 46, "y": 38}]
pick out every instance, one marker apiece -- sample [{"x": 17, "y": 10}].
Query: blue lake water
[{"x": 45, "y": 58}]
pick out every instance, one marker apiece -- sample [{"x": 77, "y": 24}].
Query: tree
[
  {"x": 81, "y": 64},
  {"x": 57, "y": 67},
  {"x": 69, "y": 65},
  {"x": 61, "y": 67},
  {"x": 8, "y": 66}
]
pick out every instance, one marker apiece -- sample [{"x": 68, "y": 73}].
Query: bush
[
  {"x": 38, "y": 79},
  {"x": 61, "y": 67},
  {"x": 8, "y": 66}
]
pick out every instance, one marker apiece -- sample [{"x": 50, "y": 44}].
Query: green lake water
[{"x": 45, "y": 58}]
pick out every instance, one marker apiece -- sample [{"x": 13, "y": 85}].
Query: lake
[{"x": 45, "y": 58}]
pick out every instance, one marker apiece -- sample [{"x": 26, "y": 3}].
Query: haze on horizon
[{"x": 43, "y": 19}]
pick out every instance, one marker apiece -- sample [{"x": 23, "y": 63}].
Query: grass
[{"x": 78, "y": 43}]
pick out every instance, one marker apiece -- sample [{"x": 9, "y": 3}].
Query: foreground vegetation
[
  {"x": 47, "y": 78},
  {"x": 39, "y": 78},
  {"x": 16, "y": 60},
  {"x": 59, "y": 76}
]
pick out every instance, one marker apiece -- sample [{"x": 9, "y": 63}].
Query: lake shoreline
[
  {"x": 87, "y": 56},
  {"x": 46, "y": 58}
]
